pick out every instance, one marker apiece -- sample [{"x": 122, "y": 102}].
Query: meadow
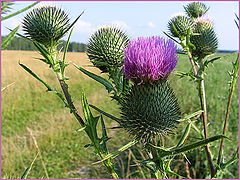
[{"x": 35, "y": 121}]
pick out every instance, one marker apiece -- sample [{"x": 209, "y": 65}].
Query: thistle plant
[
  {"x": 198, "y": 43},
  {"x": 138, "y": 71},
  {"x": 45, "y": 26}
]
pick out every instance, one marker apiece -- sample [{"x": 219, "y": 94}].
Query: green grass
[{"x": 27, "y": 105}]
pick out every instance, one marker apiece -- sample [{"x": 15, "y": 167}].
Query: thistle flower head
[
  {"x": 46, "y": 25},
  {"x": 105, "y": 47},
  {"x": 149, "y": 110},
  {"x": 196, "y": 9},
  {"x": 206, "y": 41},
  {"x": 149, "y": 59},
  {"x": 179, "y": 26}
]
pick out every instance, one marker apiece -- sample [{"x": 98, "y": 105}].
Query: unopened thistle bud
[
  {"x": 46, "y": 25},
  {"x": 179, "y": 26},
  {"x": 105, "y": 48},
  {"x": 196, "y": 9},
  {"x": 149, "y": 107},
  {"x": 205, "y": 41}
]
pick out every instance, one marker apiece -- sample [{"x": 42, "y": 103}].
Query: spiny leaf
[
  {"x": 116, "y": 153},
  {"x": 44, "y": 52},
  {"x": 49, "y": 88},
  {"x": 9, "y": 37},
  {"x": 20, "y": 11},
  {"x": 67, "y": 44},
  {"x": 165, "y": 153},
  {"x": 187, "y": 117},
  {"x": 104, "y": 113},
  {"x": 97, "y": 78},
  {"x": 171, "y": 38},
  {"x": 184, "y": 135}
]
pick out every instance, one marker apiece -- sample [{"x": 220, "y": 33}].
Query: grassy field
[{"x": 33, "y": 116}]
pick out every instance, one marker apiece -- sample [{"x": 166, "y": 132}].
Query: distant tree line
[{"x": 19, "y": 43}]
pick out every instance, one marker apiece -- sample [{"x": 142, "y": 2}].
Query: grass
[{"x": 26, "y": 104}]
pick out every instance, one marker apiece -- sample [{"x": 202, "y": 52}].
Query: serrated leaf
[
  {"x": 171, "y": 38},
  {"x": 66, "y": 46},
  {"x": 97, "y": 78},
  {"x": 116, "y": 153},
  {"x": 211, "y": 61},
  {"x": 165, "y": 153},
  {"x": 184, "y": 135},
  {"x": 9, "y": 37},
  {"x": 49, "y": 88},
  {"x": 20, "y": 11},
  {"x": 91, "y": 122},
  {"x": 44, "y": 52},
  {"x": 104, "y": 113},
  {"x": 187, "y": 117}
]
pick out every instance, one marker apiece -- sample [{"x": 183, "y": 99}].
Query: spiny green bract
[
  {"x": 196, "y": 9},
  {"x": 46, "y": 25},
  {"x": 206, "y": 41},
  {"x": 149, "y": 110},
  {"x": 106, "y": 48},
  {"x": 179, "y": 25}
]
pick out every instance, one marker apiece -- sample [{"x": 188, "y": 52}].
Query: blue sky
[{"x": 137, "y": 18}]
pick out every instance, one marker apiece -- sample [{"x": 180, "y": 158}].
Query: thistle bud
[
  {"x": 105, "y": 48},
  {"x": 179, "y": 26},
  {"x": 46, "y": 25},
  {"x": 205, "y": 41},
  {"x": 196, "y": 9},
  {"x": 149, "y": 110}
]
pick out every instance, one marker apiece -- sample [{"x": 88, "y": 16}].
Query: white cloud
[
  {"x": 151, "y": 24},
  {"x": 83, "y": 27},
  {"x": 120, "y": 24}
]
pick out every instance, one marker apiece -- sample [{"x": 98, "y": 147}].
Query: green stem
[
  {"x": 71, "y": 106},
  {"x": 231, "y": 90},
  {"x": 203, "y": 103},
  {"x": 108, "y": 164}
]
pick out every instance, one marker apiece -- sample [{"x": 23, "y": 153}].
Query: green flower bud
[
  {"x": 196, "y": 9},
  {"x": 179, "y": 25},
  {"x": 46, "y": 25},
  {"x": 149, "y": 110},
  {"x": 205, "y": 41},
  {"x": 106, "y": 48}
]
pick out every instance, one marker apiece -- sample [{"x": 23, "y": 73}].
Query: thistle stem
[
  {"x": 231, "y": 90},
  {"x": 203, "y": 103},
  {"x": 191, "y": 61},
  {"x": 71, "y": 106}
]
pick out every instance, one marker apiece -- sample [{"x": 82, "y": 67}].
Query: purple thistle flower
[{"x": 149, "y": 59}]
